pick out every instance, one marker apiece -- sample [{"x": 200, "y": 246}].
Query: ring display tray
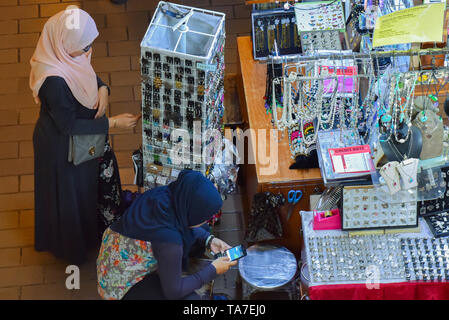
[
  {"x": 344, "y": 259},
  {"x": 362, "y": 209},
  {"x": 426, "y": 259},
  {"x": 335, "y": 257}
]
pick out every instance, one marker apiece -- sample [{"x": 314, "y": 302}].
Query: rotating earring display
[
  {"x": 182, "y": 65},
  {"x": 364, "y": 209}
]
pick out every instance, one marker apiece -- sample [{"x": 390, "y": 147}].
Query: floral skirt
[
  {"x": 121, "y": 263},
  {"x": 109, "y": 207}
]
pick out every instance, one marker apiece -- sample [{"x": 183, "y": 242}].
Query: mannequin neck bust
[{"x": 411, "y": 148}]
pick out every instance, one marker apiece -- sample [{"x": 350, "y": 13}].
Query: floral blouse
[{"x": 121, "y": 263}]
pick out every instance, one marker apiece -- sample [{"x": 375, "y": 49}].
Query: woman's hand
[
  {"x": 124, "y": 121},
  {"x": 218, "y": 245},
  {"x": 223, "y": 264},
  {"x": 103, "y": 102}
]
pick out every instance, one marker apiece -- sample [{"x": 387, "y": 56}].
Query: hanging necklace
[{"x": 396, "y": 150}]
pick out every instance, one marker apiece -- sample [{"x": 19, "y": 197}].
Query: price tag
[
  {"x": 175, "y": 173},
  {"x": 206, "y": 67}
]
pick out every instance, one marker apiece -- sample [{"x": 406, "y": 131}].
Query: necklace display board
[{"x": 182, "y": 61}]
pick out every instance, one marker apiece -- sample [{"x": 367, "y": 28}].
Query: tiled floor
[{"x": 230, "y": 229}]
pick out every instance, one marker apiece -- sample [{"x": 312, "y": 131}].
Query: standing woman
[{"x": 73, "y": 102}]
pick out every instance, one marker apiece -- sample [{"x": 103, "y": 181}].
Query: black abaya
[{"x": 65, "y": 195}]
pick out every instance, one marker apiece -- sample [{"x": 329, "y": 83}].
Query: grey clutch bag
[{"x": 83, "y": 148}]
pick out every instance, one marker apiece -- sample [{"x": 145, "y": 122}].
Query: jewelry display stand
[
  {"x": 395, "y": 151},
  {"x": 274, "y": 26},
  {"x": 182, "y": 60}
]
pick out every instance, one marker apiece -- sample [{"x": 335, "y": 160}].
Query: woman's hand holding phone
[
  {"x": 222, "y": 264},
  {"x": 218, "y": 245}
]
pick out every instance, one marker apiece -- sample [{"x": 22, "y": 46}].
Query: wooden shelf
[{"x": 251, "y": 93}]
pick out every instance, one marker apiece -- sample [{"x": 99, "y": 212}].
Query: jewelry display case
[
  {"x": 363, "y": 208},
  {"x": 182, "y": 61},
  {"x": 441, "y": 204}
]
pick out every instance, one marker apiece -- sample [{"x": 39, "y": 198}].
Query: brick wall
[{"x": 116, "y": 59}]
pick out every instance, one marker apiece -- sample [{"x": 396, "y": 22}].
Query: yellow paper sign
[{"x": 418, "y": 24}]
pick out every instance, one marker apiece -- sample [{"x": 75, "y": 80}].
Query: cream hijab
[{"x": 62, "y": 34}]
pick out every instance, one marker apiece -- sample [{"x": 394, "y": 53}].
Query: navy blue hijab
[{"x": 164, "y": 214}]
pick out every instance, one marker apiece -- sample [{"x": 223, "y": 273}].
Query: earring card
[{"x": 317, "y": 16}]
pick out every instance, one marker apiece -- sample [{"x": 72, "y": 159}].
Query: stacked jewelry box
[{"x": 182, "y": 66}]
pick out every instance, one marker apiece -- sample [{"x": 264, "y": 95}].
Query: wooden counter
[{"x": 309, "y": 181}]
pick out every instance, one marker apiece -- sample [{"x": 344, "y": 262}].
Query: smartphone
[{"x": 236, "y": 252}]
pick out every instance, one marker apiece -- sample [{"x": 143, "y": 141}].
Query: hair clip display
[
  {"x": 179, "y": 86},
  {"x": 320, "y": 16}
]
